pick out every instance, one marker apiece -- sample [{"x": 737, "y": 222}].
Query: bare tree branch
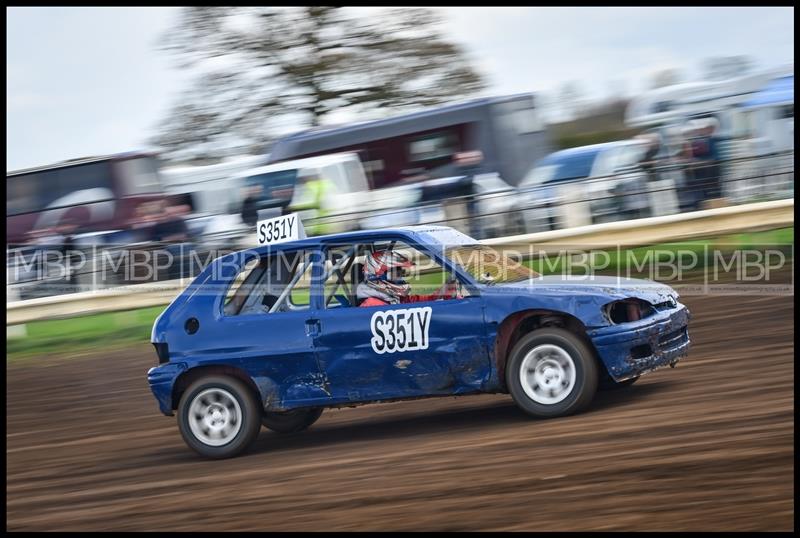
[{"x": 276, "y": 65}]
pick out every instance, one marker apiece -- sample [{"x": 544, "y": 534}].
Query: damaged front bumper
[
  {"x": 161, "y": 380},
  {"x": 634, "y": 348}
]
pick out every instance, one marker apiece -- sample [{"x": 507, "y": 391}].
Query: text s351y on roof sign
[{"x": 280, "y": 230}]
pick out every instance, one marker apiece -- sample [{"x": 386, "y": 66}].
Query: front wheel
[
  {"x": 551, "y": 372},
  {"x": 291, "y": 421},
  {"x": 218, "y": 417}
]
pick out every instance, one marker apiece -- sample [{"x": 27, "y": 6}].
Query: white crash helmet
[{"x": 381, "y": 273}]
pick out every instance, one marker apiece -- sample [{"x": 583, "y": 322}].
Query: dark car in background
[{"x": 539, "y": 194}]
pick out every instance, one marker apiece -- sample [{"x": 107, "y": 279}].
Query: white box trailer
[
  {"x": 214, "y": 188},
  {"x": 349, "y": 205}
]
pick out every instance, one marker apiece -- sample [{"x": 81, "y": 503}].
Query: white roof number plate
[{"x": 280, "y": 230}]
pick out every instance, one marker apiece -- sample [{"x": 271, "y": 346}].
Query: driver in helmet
[{"x": 383, "y": 282}]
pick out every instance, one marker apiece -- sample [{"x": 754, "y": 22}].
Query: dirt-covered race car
[{"x": 273, "y": 335}]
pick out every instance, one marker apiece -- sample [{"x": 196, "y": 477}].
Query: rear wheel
[
  {"x": 551, "y": 372},
  {"x": 218, "y": 417},
  {"x": 292, "y": 421}
]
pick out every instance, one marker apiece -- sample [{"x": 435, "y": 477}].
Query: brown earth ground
[{"x": 706, "y": 446}]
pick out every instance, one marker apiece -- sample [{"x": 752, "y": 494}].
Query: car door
[
  {"x": 275, "y": 344},
  {"x": 402, "y": 350}
]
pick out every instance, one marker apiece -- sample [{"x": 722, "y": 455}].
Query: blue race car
[{"x": 273, "y": 335}]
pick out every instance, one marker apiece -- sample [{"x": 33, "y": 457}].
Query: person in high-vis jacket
[{"x": 312, "y": 201}]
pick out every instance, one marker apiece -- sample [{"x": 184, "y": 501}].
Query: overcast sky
[{"x": 88, "y": 81}]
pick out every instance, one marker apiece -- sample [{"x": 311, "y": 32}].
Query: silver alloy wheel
[
  {"x": 215, "y": 417},
  {"x": 547, "y": 374}
]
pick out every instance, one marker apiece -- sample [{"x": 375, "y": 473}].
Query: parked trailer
[{"x": 507, "y": 130}]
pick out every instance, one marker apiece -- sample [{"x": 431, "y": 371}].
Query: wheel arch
[
  {"x": 518, "y": 324},
  {"x": 193, "y": 374}
]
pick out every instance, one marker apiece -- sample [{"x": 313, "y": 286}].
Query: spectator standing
[
  {"x": 706, "y": 153},
  {"x": 67, "y": 230},
  {"x": 632, "y": 197},
  {"x": 147, "y": 215},
  {"x": 250, "y": 205},
  {"x": 172, "y": 229},
  {"x": 468, "y": 164},
  {"x": 685, "y": 181},
  {"x": 649, "y": 160}
]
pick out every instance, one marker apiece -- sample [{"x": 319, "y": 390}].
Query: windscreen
[
  {"x": 274, "y": 185},
  {"x": 540, "y": 175},
  {"x": 490, "y": 266},
  {"x": 576, "y": 167}
]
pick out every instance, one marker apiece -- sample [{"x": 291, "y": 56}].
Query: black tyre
[
  {"x": 551, "y": 372},
  {"x": 218, "y": 417},
  {"x": 292, "y": 421}
]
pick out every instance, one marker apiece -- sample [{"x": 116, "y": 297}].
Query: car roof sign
[{"x": 281, "y": 229}]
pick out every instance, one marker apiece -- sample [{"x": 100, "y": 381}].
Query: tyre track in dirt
[{"x": 707, "y": 446}]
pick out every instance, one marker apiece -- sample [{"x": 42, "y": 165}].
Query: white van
[
  {"x": 209, "y": 186},
  {"x": 279, "y": 181}
]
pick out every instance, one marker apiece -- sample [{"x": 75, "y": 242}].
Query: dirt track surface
[{"x": 707, "y": 446}]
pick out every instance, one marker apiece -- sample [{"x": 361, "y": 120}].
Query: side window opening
[
  {"x": 242, "y": 285},
  {"x": 344, "y": 273},
  {"x": 274, "y": 284},
  {"x": 428, "y": 275},
  {"x": 341, "y": 277}
]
